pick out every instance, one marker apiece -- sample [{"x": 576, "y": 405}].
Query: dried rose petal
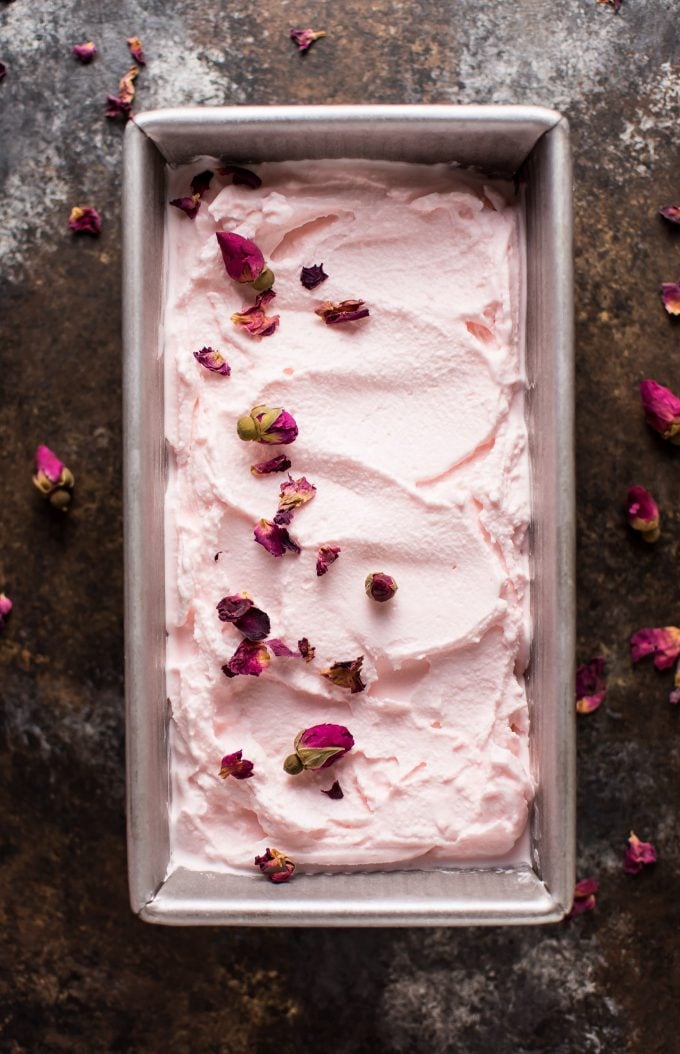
[
  {"x": 637, "y": 855},
  {"x": 275, "y": 865},
  {"x": 334, "y": 792},
  {"x": 313, "y": 276},
  {"x": 241, "y": 177},
  {"x": 242, "y": 258},
  {"x": 295, "y": 492},
  {"x": 251, "y": 657},
  {"x": 136, "y": 50},
  {"x": 591, "y": 687},
  {"x": 83, "y": 219},
  {"x": 6, "y": 606},
  {"x": 346, "y": 674},
  {"x": 117, "y": 107},
  {"x": 662, "y": 409},
  {"x": 663, "y": 643},
  {"x": 126, "y": 84},
  {"x": 318, "y": 747},
  {"x": 342, "y": 311},
  {"x": 274, "y": 538},
  {"x": 670, "y": 295},
  {"x": 212, "y": 360},
  {"x": 240, "y": 611},
  {"x": 232, "y": 607},
  {"x": 306, "y": 650},
  {"x": 380, "y": 587},
  {"x": 643, "y": 513},
  {"x": 279, "y": 648},
  {"x": 304, "y": 38},
  {"x": 326, "y": 556},
  {"x": 670, "y": 213},
  {"x": 584, "y": 897},
  {"x": 201, "y": 182},
  {"x": 280, "y": 463},
  {"x": 188, "y": 205},
  {"x": 237, "y": 766},
  {"x": 54, "y": 481},
  {"x": 254, "y": 319},
  {"x": 85, "y": 52},
  {"x": 265, "y": 424}
]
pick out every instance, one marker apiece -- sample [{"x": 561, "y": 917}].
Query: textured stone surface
[{"x": 79, "y": 973}]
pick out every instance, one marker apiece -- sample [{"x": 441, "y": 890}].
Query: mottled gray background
[{"x": 80, "y": 973}]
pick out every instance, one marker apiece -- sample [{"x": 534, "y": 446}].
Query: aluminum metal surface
[{"x": 531, "y": 144}]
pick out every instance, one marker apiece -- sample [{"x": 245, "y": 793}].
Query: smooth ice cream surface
[{"x": 411, "y": 426}]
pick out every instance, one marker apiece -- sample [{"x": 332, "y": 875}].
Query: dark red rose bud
[
  {"x": 380, "y": 587},
  {"x": 318, "y": 747},
  {"x": 275, "y": 865}
]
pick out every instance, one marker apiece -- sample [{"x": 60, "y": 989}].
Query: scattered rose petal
[
  {"x": 232, "y": 607},
  {"x": 274, "y": 538},
  {"x": 346, "y": 674},
  {"x": 188, "y": 205},
  {"x": 83, "y": 219},
  {"x": 241, "y": 177},
  {"x": 637, "y": 855},
  {"x": 670, "y": 295},
  {"x": 136, "y": 50},
  {"x": 237, "y": 766},
  {"x": 254, "y": 319},
  {"x": 126, "y": 84},
  {"x": 84, "y": 52},
  {"x": 334, "y": 792},
  {"x": 306, "y": 650},
  {"x": 242, "y": 259},
  {"x": 294, "y": 493},
  {"x": 643, "y": 513},
  {"x": 280, "y": 463},
  {"x": 279, "y": 648},
  {"x": 250, "y": 658},
  {"x": 304, "y": 38},
  {"x": 313, "y": 276},
  {"x": 54, "y": 481},
  {"x": 318, "y": 747},
  {"x": 341, "y": 311},
  {"x": 584, "y": 897},
  {"x": 117, "y": 107},
  {"x": 212, "y": 360},
  {"x": 326, "y": 556},
  {"x": 6, "y": 606},
  {"x": 663, "y": 643},
  {"x": 240, "y": 611},
  {"x": 265, "y": 424},
  {"x": 380, "y": 587},
  {"x": 670, "y": 213},
  {"x": 591, "y": 687},
  {"x": 662, "y": 409},
  {"x": 275, "y": 865},
  {"x": 201, "y": 182}
]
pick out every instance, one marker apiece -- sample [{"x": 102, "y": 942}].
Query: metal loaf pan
[{"x": 532, "y": 145}]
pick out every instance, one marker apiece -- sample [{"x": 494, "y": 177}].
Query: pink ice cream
[{"x": 411, "y": 427}]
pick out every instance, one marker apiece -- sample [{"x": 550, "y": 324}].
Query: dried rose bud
[
  {"x": 280, "y": 463},
  {"x": 313, "y": 276},
  {"x": 670, "y": 295},
  {"x": 304, "y": 38},
  {"x": 346, "y": 675},
  {"x": 250, "y": 658},
  {"x": 243, "y": 260},
  {"x": 241, "y": 177},
  {"x": 54, "y": 481},
  {"x": 274, "y": 538},
  {"x": 266, "y": 424},
  {"x": 294, "y": 493},
  {"x": 83, "y": 219},
  {"x": 275, "y": 865},
  {"x": 85, "y": 52},
  {"x": 663, "y": 643},
  {"x": 212, "y": 360},
  {"x": 343, "y": 311},
  {"x": 6, "y": 606},
  {"x": 591, "y": 687},
  {"x": 662, "y": 409},
  {"x": 643, "y": 513},
  {"x": 380, "y": 587},
  {"x": 240, "y": 611},
  {"x": 136, "y": 50},
  {"x": 334, "y": 792},
  {"x": 584, "y": 897},
  {"x": 306, "y": 650},
  {"x": 326, "y": 556},
  {"x": 670, "y": 213},
  {"x": 254, "y": 319},
  {"x": 637, "y": 855},
  {"x": 237, "y": 766},
  {"x": 318, "y": 747},
  {"x": 280, "y": 649}
]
